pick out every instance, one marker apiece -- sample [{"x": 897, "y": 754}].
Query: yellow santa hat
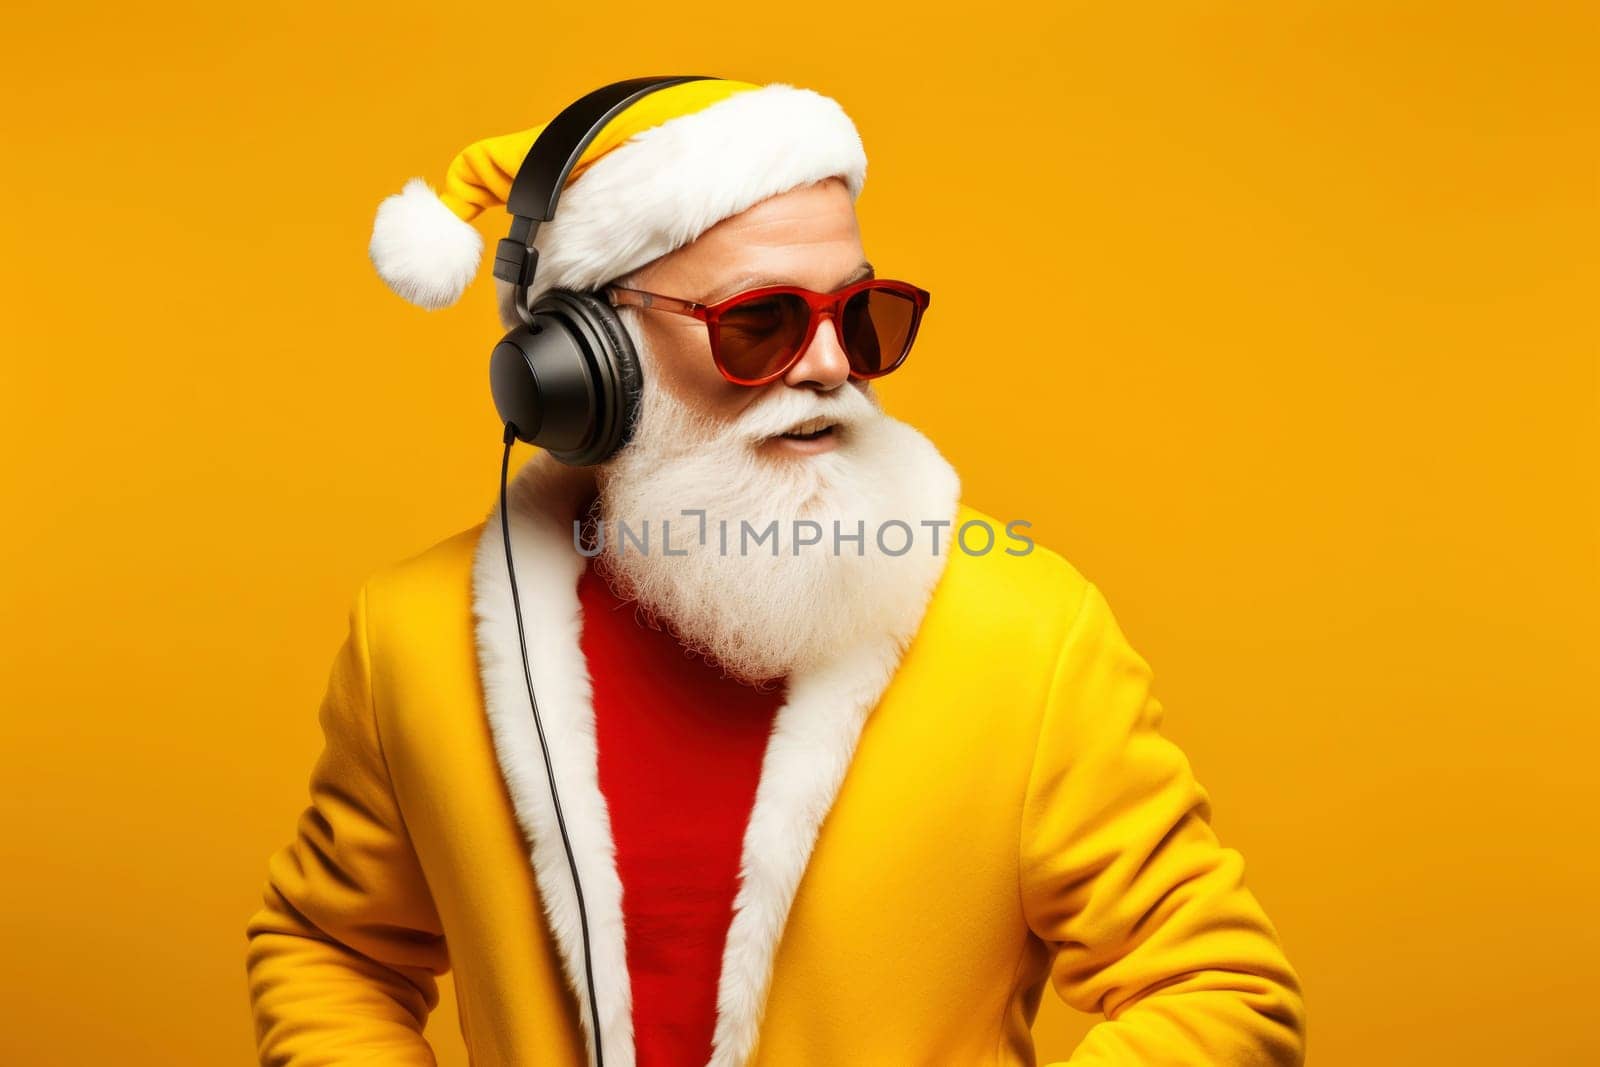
[{"x": 659, "y": 174}]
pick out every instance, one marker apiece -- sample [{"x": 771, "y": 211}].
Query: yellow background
[{"x": 1278, "y": 319}]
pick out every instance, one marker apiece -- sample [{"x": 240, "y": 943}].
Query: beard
[{"x": 763, "y": 607}]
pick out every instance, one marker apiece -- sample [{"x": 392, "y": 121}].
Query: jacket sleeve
[
  {"x": 1146, "y": 915},
  {"x": 343, "y": 953}
]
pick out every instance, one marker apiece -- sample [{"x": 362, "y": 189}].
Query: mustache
[{"x": 785, "y": 408}]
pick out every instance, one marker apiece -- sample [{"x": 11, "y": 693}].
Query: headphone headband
[{"x": 544, "y": 170}]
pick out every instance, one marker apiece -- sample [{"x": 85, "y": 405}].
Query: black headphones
[{"x": 567, "y": 379}]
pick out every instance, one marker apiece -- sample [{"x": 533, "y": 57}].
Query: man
[{"x": 850, "y": 770}]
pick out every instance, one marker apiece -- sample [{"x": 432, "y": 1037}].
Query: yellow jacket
[{"x": 938, "y": 833}]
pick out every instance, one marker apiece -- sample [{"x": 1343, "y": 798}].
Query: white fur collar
[{"x": 813, "y": 740}]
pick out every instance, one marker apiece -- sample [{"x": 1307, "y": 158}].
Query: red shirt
[{"x": 680, "y": 749}]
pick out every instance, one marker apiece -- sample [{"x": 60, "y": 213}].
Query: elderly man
[{"x": 827, "y": 767}]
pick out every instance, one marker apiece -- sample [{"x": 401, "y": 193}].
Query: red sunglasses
[{"x": 757, "y": 335}]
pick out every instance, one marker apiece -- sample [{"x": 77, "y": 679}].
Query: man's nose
[{"x": 823, "y": 365}]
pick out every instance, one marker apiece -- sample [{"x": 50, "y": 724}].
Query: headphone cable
[{"x": 555, "y": 799}]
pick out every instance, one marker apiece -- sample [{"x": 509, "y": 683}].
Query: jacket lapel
[
  {"x": 813, "y": 740},
  {"x": 544, "y": 496}
]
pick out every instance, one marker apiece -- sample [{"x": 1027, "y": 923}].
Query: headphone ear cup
[
  {"x": 569, "y": 380},
  {"x": 626, "y": 379}
]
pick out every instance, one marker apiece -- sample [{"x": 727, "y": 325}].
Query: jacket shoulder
[
  {"x": 1018, "y": 598},
  {"x": 419, "y": 586},
  {"x": 1016, "y": 573}
]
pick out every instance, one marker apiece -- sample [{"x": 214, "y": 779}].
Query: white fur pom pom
[{"x": 422, "y": 250}]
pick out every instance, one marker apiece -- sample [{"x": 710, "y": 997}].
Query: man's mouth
[{"x": 811, "y": 430}]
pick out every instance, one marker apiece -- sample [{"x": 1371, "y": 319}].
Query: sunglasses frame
[{"x": 819, "y": 304}]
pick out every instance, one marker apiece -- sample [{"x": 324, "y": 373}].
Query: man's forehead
[
  {"x": 804, "y": 237},
  {"x": 808, "y": 279},
  {"x": 820, "y": 211}
]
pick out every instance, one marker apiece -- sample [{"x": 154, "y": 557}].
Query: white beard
[{"x": 756, "y": 614}]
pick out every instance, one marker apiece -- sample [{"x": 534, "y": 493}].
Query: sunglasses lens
[
  {"x": 878, "y": 328},
  {"x": 758, "y": 337}
]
